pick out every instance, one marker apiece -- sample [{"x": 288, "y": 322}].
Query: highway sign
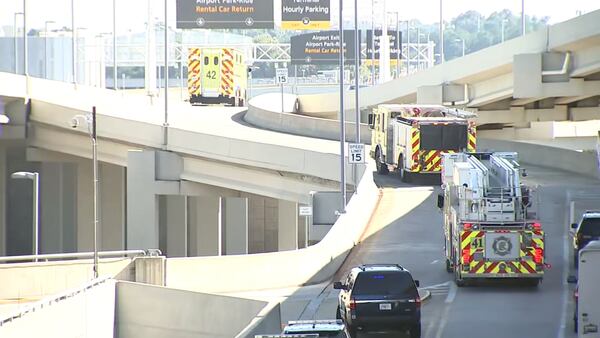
[
  {"x": 281, "y": 75},
  {"x": 392, "y": 34},
  {"x": 321, "y": 48},
  {"x": 356, "y": 153},
  {"x": 305, "y": 14},
  {"x": 305, "y": 211},
  {"x": 209, "y": 14}
]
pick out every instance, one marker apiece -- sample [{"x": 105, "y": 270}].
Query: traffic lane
[
  {"x": 413, "y": 240},
  {"x": 512, "y": 309}
]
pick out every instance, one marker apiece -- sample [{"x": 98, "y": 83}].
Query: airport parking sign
[{"x": 356, "y": 153}]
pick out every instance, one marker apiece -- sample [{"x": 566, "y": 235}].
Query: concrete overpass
[
  {"x": 208, "y": 156},
  {"x": 549, "y": 75}
]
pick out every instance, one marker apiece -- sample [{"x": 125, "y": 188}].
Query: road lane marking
[
  {"x": 565, "y": 270},
  {"x": 451, "y": 293},
  {"x": 443, "y": 322},
  {"x": 435, "y": 261}
]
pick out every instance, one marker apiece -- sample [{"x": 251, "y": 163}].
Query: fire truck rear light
[
  {"x": 537, "y": 226},
  {"x": 466, "y": 254},
  {"x": 468, "y": 226},
  {"x": 538, "y": 256},
  {"x": 352, "y": 304}
]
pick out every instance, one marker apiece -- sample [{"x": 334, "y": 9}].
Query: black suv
[
  {"x": 379, "y": 297},
  {"x": 587, "y": 230}
]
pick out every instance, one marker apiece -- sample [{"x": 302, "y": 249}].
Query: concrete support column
[
  {"x": 271, "y": 225},
  {"x": 234, "y": 226},
  {"x": 51, "y": 208},
  {"x": 112, "y": 207},
  {"x": 85, "y": 206},
  {"x": 288, "y": 225},
  {"x": 173, "y": 226},
  {"x": 58, "y": 207},
  {"x": 142, "y": 201},
  {"x": 203, "y": 223},
  {"x": 256, "y": 223}
]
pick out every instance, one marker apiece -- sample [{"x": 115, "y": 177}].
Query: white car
[{"x": 330, "y": 328}]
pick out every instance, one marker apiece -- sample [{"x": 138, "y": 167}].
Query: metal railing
[
  {"x": 75, "y": 255},
  {"x": 30, "y": 308}
]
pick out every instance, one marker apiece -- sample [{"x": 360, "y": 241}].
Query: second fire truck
[
  {"x": 411, "y": 138},
  {"x": 491, "y": 225}
]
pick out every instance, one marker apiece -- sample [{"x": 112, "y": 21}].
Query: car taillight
[
  {"x": 352, "y": 304},
  {"x": 418, "y": 301},
  {"x": 538, "y": 256},
  {"x": 466, "y": 255},
  {"x": 467, "y": 226}
]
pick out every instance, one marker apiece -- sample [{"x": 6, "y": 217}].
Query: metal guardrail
[
  {"x": 102, "y": 254},
  {"x": 50, "y": 300}
]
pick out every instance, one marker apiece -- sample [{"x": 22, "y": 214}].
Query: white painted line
[
  {"x": 435, "y": 261},
  {"x": 443, "y": 322},
  {"x": 437, "y": 285},
  {"x": 451, "y": 294},
  {"x": 565, "y": 271}
]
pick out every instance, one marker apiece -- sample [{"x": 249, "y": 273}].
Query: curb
[{"x": 424, "y": 294}]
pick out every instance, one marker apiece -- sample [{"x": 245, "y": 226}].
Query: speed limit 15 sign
[
  {"x": 281, "y": 75},
  {"x": 356, "y": 153}
]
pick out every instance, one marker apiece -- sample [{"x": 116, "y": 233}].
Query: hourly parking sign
[
  {"x": 226, "y": 14},
  {"x": 305, "y": 14}
]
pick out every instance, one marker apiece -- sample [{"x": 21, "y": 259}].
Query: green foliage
[{"x": 478, "y": 31}]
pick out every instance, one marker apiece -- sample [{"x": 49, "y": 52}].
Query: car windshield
[
  {"x": 590, "y": 226},
  {"x": 385, "y": 283}
]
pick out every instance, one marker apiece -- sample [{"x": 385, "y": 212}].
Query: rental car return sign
[{"x": 225, "y": 14}]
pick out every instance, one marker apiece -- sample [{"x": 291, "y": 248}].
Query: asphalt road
[{"x": 407, "y": 230}]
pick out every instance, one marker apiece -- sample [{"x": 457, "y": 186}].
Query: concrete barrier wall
[
  {"x": 150, "y": 311},
  {"x": 32, "y": 281},
  {"x": 262, "y": 113},
  {"x": 579, "y": 162},
  {"x": 89, "y": 313},
  {"x": 282, "y": 269},
  {"x": 268, "y": 321}
]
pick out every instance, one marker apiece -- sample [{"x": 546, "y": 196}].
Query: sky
[{"x": 96, "y": 15}]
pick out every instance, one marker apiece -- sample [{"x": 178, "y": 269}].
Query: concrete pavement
[{"x": 415, "y": 241}]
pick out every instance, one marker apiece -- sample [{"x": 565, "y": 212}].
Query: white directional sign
[
  {"x": 356, "y": 153},
  {"x": 305, "y": 211},
  {"x": 281, "y": 75}
]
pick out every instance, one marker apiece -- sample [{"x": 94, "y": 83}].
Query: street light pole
[
  {"x": 90, "y": 120},
  {"x": 356, "y": 86},
  {"x": 372, "y": 42},
  {"x": 15, "y": 41},
  {"x": 95, "y": 165},
  {"x": 522, "y": 17},
  {"x": 166, "y": 77},
  {"x": 398, "y": 45},
  {"x": 407, "y": 46},
  {"x": 73, "y": 43},
  {"x": 441, "y": 33},
  {"x": 25, "y": 51},
  {"x": 342, "y": 120},
  {"x": 35, "y": 178},
  {"x": 46, "y": 47},
  {"x": 463, "y": 45},
  {"x": 115, "y": 87}
]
